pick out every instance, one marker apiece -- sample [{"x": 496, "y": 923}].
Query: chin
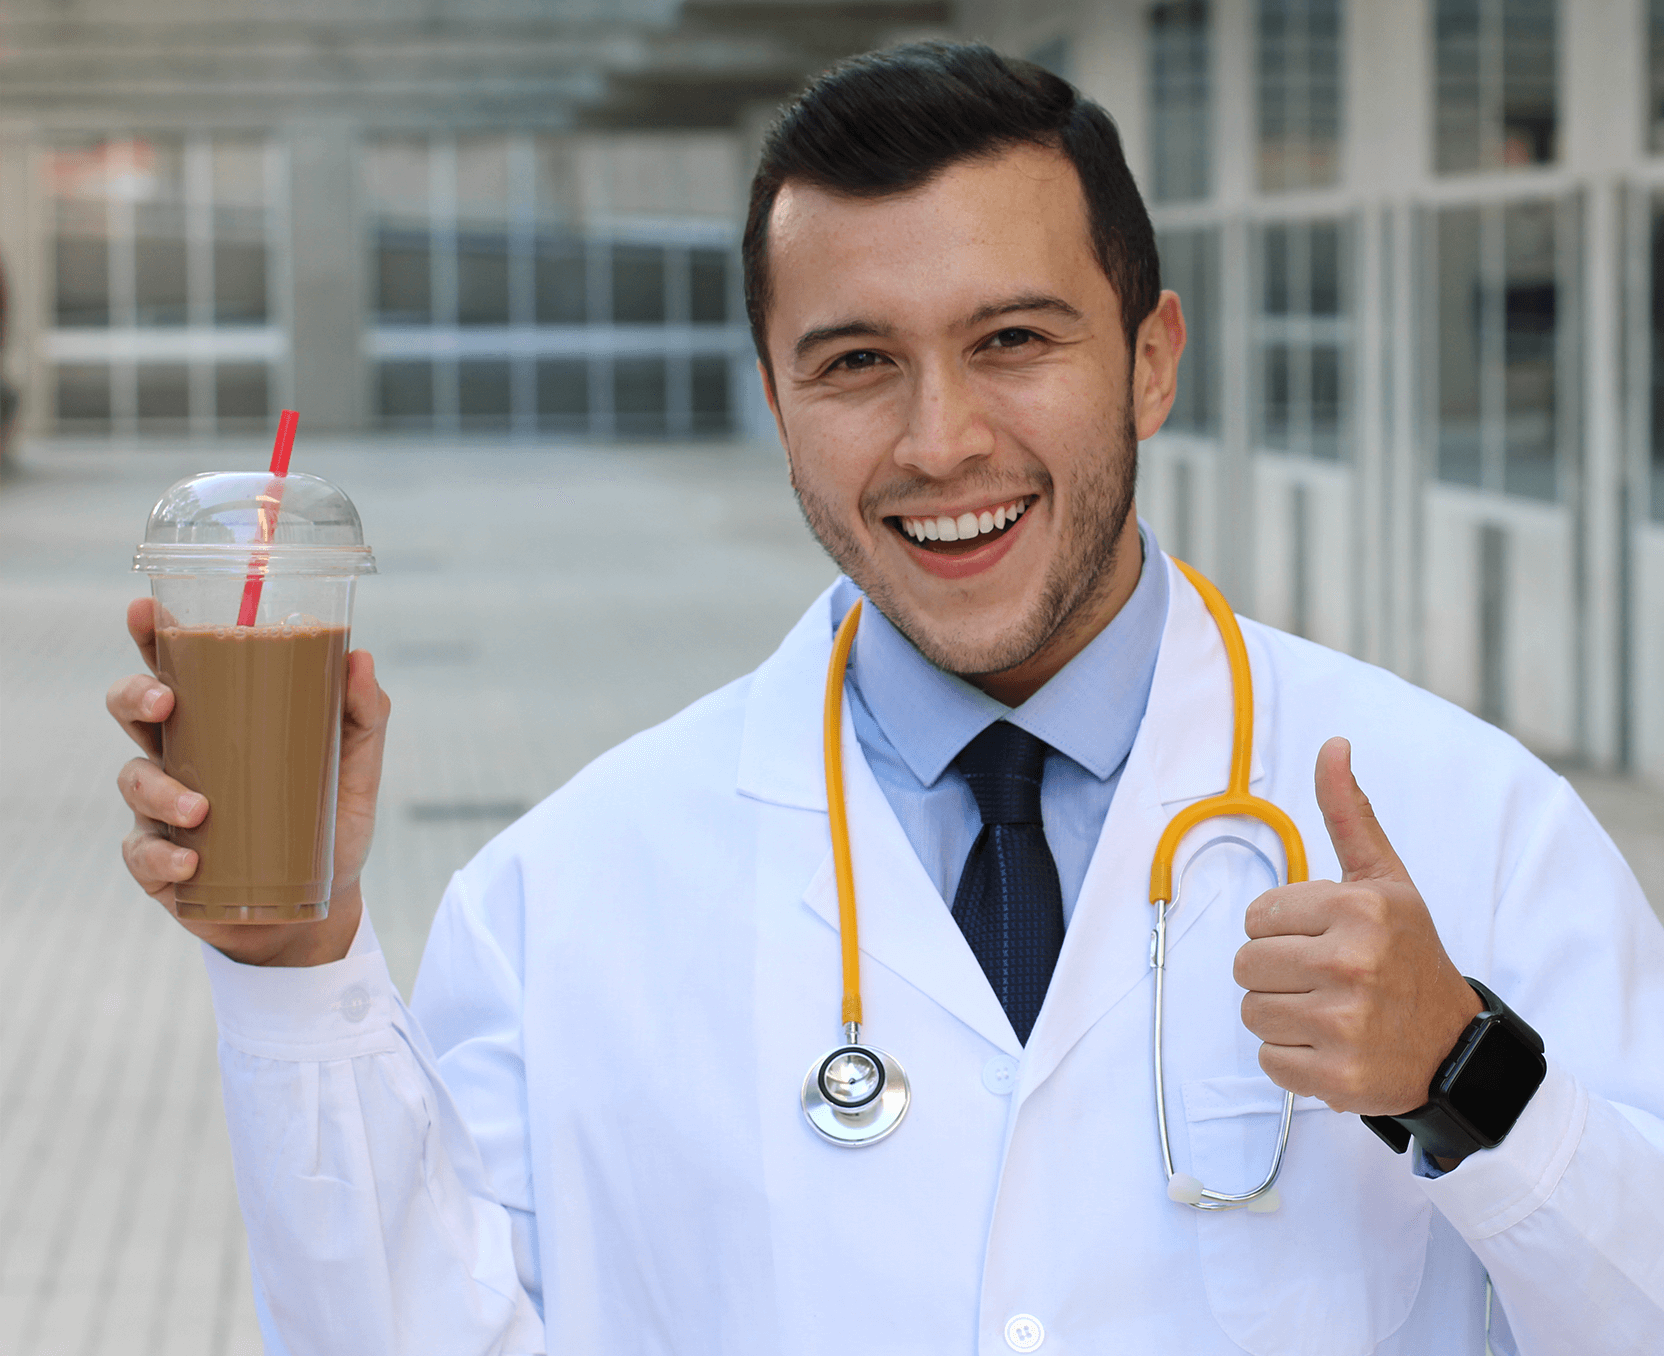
[{"x": 999, "y": 637}]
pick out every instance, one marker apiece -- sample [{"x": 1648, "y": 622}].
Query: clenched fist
[{"x": 1348, "y": 984}]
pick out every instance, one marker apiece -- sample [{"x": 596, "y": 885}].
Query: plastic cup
[{"x": 256, "y": 722}]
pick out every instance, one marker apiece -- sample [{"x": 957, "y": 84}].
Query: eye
[
  {"x": 861, "y": 360},
  {"x": 1012, "y": 338}
]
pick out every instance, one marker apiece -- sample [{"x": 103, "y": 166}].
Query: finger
[
  {"x": 1282, "y": 1018},
  {"x": 141, "y": 625},
  {"x": 140, "y": 703},
  {"x": 1295, "y": 1068},
  {"x": 1360, "y": 843},
  {"x": 150, "y": 792},
  {"x": 1279, "y": 965},
  {"x": 1305, "y": 909},
  {"x": 154, "y": 862},
  {"x": 367, "y": 705}
]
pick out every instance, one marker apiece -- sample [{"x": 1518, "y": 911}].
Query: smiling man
[{"x": 585, "y": 1134}]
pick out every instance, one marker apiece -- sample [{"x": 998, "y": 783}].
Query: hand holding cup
[{"x": 140, "y": 703}]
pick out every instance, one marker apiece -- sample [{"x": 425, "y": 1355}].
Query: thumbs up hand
[{"x": 1348, "y": 984}]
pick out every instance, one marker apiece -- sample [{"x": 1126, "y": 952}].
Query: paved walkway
[{"x": 534, "y": 607}]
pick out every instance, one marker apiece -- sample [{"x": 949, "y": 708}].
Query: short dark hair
[{"x": 890, "y": 121}]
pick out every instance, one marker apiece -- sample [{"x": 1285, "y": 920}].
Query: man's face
[{"x": 959, "y": 405}]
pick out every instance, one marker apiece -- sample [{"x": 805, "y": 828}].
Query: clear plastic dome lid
[{"x": 299, "y": 524}]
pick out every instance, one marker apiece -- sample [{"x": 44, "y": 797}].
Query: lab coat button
[
  {"x": 999, "y": 1076},
  {"x": 1024, "y": 1333},
  {"x": 355, "y": 1003}
]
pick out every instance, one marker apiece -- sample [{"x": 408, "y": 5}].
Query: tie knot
[{"x": 1003, "y": 766}]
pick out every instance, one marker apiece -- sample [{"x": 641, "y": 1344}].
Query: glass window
[
  {"x": 1498, "y": 344},
  {"x": 482, "y": 230},
  {"x": 84, "y": 396},
  {"x": 240, "y": 392},
  {"x": 710, "y": 395},
  {"x": 563, "y": 395},
  {"x": 562, "y": 283},
  {"x": 159, "y": 270},
  {"x": 1657, "y": 477},
  {"x": 397, "y": 184},
  {"x": 405, "y": 394},
  {"x": 239, "y": 208},
  {"x": 483, "y": 393},
  {"x": 708, "y": 287},
  {"x": 1461, "y": 303},
  {"x": 164, "y": 392},
  {"x": 1496, "y": 92},
  {"x": 1180, "y": 106},
  {"x": 1303, "y": 333},
  {"x": 637, "y": 285},
  {"x": 1190, "y": 267},
  {"x": 1299, "y": 69},
  {"x": 1655, "y": 68},
  {"x": 638, "y": 395},
  {"x": 79, "y": 176}
]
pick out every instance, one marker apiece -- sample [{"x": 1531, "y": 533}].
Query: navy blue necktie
[{"x": 1009, "y": 904}]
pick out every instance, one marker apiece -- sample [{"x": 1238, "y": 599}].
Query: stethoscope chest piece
[{"x": 855, "y": 1095}]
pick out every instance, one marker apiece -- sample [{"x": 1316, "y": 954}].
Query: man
[{"x": 584, "y": 1134}]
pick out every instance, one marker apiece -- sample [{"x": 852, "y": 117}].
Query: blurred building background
[{"x": 1417, "y": 241}]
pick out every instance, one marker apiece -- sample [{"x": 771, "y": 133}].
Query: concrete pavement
[{"x": 535, "y": 606}]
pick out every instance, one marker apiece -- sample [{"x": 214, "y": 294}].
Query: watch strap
[{"x": 1437, "y": 1125}]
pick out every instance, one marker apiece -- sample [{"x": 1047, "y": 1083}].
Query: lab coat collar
[{"x": 1181, "y": 753}]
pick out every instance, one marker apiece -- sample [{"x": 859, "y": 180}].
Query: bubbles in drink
[{"x": 303, "y": 622}]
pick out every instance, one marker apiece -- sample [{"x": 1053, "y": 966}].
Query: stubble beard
[{"x": 1081, "y": 569}]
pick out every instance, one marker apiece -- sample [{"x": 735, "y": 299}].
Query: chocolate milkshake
[
  {"x": 256, "y": 728},
  {"x": 253, "y": 575}
]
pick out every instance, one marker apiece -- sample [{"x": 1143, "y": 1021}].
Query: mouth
[{"x": 961, "y": 534}]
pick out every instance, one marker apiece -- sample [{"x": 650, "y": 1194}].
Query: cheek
[
  {"x": 1053, "y": 412},
  {"x": 839, "y": 448}
]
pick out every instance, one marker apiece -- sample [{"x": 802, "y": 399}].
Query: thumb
[{"x": 1360, "y": 843}]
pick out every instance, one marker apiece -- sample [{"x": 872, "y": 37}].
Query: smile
[{"x": 969, "y": 530}]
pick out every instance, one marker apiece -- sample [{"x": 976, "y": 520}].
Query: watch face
[{"x": 1495, "y": 1081}]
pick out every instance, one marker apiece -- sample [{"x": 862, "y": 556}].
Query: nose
[{"x": 946, "y": 427}]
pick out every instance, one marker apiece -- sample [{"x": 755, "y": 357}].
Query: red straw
[{"x": 269, "y": 504}]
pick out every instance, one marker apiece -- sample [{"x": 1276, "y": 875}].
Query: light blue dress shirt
[{"x": 913, "y": 719}]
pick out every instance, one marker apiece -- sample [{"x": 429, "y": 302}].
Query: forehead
[{"x": 1010, "y": 222}]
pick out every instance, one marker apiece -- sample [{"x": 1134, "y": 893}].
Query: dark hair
[{"x": 890, "y": 121}]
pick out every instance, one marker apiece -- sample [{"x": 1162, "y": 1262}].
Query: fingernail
[
  {"x": 188, "y": 804},
  {"x": 151, "y": 702},
  {"x": 181, "y": 859}
]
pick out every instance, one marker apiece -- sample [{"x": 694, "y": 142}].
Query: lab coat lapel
[
  {"x": 904, "y": 924},
  {"x": 1181, "y": 753}
]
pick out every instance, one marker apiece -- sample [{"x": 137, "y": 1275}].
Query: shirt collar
[{"x": 1089, "y": 711}]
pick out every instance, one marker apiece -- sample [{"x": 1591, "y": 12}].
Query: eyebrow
[
  {"x": 1029, "y": 301},
  {"x": 871, "y": 329},
  {"x": 848, "y": 329}
]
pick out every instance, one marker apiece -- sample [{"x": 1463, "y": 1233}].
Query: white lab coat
[{"x": 593, "y": 1111}]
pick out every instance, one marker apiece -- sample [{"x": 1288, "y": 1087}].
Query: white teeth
[{"x": 966, "y": 526}]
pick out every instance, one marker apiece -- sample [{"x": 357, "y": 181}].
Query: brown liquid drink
[{"x": 256, "y": 728}]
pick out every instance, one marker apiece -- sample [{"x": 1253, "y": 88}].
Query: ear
[{"x": 1155, "y": 373}]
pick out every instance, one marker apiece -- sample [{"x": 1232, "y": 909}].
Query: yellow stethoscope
[{"x": 856, "y": 1094}]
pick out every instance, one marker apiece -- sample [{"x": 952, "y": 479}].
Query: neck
[{"x": 1016, "y": 685}]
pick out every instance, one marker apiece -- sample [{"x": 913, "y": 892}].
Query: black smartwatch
[{"x": 1478, "y": 1092}]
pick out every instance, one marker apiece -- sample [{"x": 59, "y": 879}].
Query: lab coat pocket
[{"x": 1334, "y": 1271}]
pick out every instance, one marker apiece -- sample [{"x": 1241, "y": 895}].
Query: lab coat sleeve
[
  {"x": 374, "y": 1220},
  {"x": 1564, "y": 1213}
]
